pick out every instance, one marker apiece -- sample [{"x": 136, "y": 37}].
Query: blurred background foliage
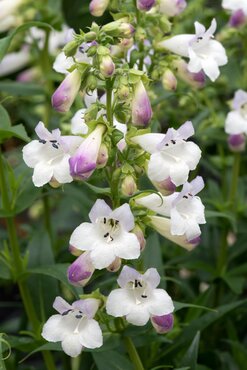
[{"x": 210, "y": 319}]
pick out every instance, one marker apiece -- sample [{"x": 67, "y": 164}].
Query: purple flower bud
[
  {"x": 84, "y": 161},
  {"x": 145, "y": 4},
  {"x": 194, "y": 242},
  {"x": 126, "y": 30},
  {"x": 172, "y": 7},
  {"x": 237, "y": 142},
  {"x": 102, "y": 156},
  {"x": 64, "y": 96},
  {"x": 128, "y": 186},
  {"x": 115, "y": 265},
  {"x": 98, "y": 7},
  {"x": 166, "y": 187},
  {"x": 140, "y": 236},
  {"x": 107, "y": 67},
  {"x": 163, "y": 324},
  {"x": 197, "y": 80},
  {"x": 169, "y": 81},
  {"x": 141, "y": 107},
  {"x": 237, "y": 18},
  {"x": 81, "y": 270},
  {"x": 76, "y": 252}
]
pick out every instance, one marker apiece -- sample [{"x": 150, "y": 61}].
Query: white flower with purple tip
[
  {"x": 171, "y": 155},
  {"x": 204, "y": 52},
  {"x": 74, "y": 326},
  {"x": 184, "y": 209},
  {"x": 49, "y": 156},
  {"x": 138, "y": 299},
  {"x": 108, "y": 235},
  {"x": 238, "y": 9},
  {"x": 172, "y": 7}
]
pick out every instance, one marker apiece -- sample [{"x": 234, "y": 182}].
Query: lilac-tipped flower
[
  {"x": 140, "y": 236},
  {"x": 172, "y": 7},
  {"x": 76, "y": 252},
  {"x": 237, "y": 142},
  {"x": 169, "y": 80},
  {"x": 163, "y": 324},
  {"x": 237, "y": 18},
  {"x": 115, "y": 265},
  {"x": 128, "y": 186},
  {"x": 107, "y": 67},
  {"x": 84, "y": 161},
  {"x": 197, "y": 80},
  {"x": 141, "y": 107},
  {"x": 145, "y": 4},
  {"x": 166, "y": 187},
  {"x": 98, "y": 7},
  {"x": 64, "y": 96},
  {"x": 81, "y": 270},
  {"x": 102, "y": 156}
]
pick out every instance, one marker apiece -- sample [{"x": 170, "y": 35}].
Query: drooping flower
[
  {"x": 238, "y": 9},
  {"x": 81, "y": 270},
  {"x": 98, "y": 7},
  {"x": 184, "y": 209},
  {"x": 163, "y": 324},
  {"x": 236, "y": 120},
  {"x": 203, "y": 51},
  {"x": 74, "y": 326},
  {"x": 141, "y": 107},
  {"x": 84, "y": 161},
  {"x": 108, "y": 235},
  {"x": 138, "y": 299},
  {"x": 49, "y": 156},
  {"x": 171, "y": 155},
  {"x": 64, "y": 96},
  {"x": 172, "y": 7},
  {"x": 145, "y": 4},
  {"x": 197, "y": 80}
]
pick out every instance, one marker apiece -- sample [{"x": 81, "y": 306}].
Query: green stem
[
  {"x": 234, "y": 182},
  {"x": 133, "y": 354},
  {"x": 47, "y": 216},
  {"x": 109, "y": 101},
  {"x": 18, "y": 265}
]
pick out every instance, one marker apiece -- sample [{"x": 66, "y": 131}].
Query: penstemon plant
[{"x": 143, "y": 180}]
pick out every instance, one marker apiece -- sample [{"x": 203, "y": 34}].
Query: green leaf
[
  {"x": 6, "y": 41},
  {"x": 111, "y": 360},
  {"x": 190, "y": 357},
  {"x": 21, "y": 89},
  {"x": 180, "y": 305},
  {"x": 7, "y": 131},
  {"x": 152, "y": 256}
]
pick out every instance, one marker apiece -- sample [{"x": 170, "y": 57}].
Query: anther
[
  {"x": 42, "y": 141},
  {"x": 66, "y": 312}
]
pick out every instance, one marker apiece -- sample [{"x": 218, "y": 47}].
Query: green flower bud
[
  {"x": 128, "y": 186},
  {"x": 90, "y": 36},
  {"x": 71, "y": 48}
]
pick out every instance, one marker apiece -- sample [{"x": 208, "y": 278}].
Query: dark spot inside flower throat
[
  {"x": 66, "y": 312},
  {"x": 42, "y": 141},
  {"x": 78, "y": 316}
]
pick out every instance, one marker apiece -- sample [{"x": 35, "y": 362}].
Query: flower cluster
[{"x": 111, "y": 135}]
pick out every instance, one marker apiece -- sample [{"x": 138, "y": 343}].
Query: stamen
[
  {"x": 173, "y": 141},
  {"x": 106, "y": 235},
  {"x": 140, "y": 284},
  {"x": 42, "y": 141},
  {"x": 78, "y": 316},
  {"x": 144, "y": 296},
  {"x": 185, "y": 196},
  {"x": 55, "y": 145},
  {"x": 104, "y": 220},
  {"x": 66, "y": 312}
]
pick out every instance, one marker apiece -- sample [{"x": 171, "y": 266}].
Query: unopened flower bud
[
  {"x": 172, "y": 7},
  {"x": 123, "y": 92},
  {"x": 126, "y": 30},
  {"x": 237, "y": 142},
  {"x": 237, "y": 18},
  {"x": 71, "y": 48},
  {"x": 197, "y": 80},
  {"x": 166, "y": 187},
  {"x": 141, "y": 107},
  {"x": 54, "y": 183},
  {"x": 145, "y": 4},
  {"x": 98, "y": 7},
  {"x": 91, "y": 83},
  {"x": 169, "y": 81},
  {"x": 76, "y": 252},
  {"x": 102, "y": 156},
  {"x": 126, "y": 43},
  {"x": 107, "y": 67},
  {"x": 90, "y": 36},
  {"x": 140, "y": 236},
  {"x": 92, "y": 50},
  {"x": 81, "y": 270},
  {"x": 163, "y": 324},
  {"x": 128, "y": 186},
  {"x": 115, "y": 265},
  {"x": 64, "y": 96}
]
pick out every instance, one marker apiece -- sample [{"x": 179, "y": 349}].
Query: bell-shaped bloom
[
  {"x": 236, "y": 120},
  {"x": 238, "y": 9},
  {"x": 74, "y": 326},
  {"x": 107, "y": 67},
  {"x": 64, "y": 96},
  {"x": 171, "y": 155},
  {"x": 172, "y": 7},
  {"x": 98, "y": 7},
  {"x": 203, "y": 51},
  {"x": 145, "y": 4},
  {"x": 108, "y": 235},
  {"x": 138, "y": 299},
  {"x": 81, "y": 270},
  {"x": 163, "y": 324},
  {"x": 84, "y": 161},
  {"x": 49, "y": 156},
  {"x": 184, "y": 209},
  {"x": 141, "y": 107},
  {"x": 197, "y": 80}
]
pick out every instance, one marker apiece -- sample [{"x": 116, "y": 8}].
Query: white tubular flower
[
  {"x": 185, "y": 210},
  {"x": 49, "y": 156},
  {"x": 203, "y": 51},
  {"x": 138, "y": 299},
  {"x": 74, "y": 326},
  {"x": 171, "y": 155},
  {"x": 172, "y": 7},
  {"x": 235, "y": 5},
  {"x": 13, "y": 62},
  {"x": 236, "y": 120},
  {"x": 108, "y": 235}
]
